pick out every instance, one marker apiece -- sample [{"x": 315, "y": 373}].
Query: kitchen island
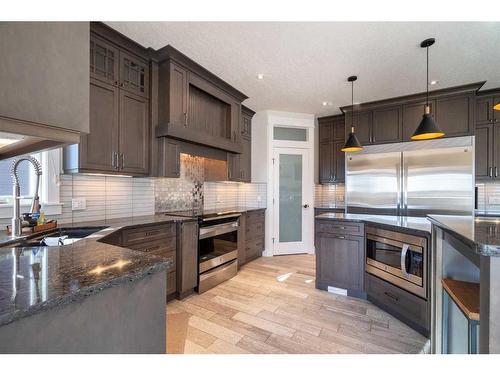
[
  {"x": 86, "y": 297},
  {"x": 465, "y": 248}
]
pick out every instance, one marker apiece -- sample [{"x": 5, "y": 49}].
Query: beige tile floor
[{"x": 272, "y": 306}]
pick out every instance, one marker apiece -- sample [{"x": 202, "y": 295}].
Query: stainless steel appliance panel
[
  {"x": 217, "y": 275},
  {"x": 373, "y": 183},
  {"x": 438, "y": 181}
]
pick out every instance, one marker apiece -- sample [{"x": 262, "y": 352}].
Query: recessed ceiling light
[
  {"x": 325, "y": 104},
  {"x": 433, "y": 82},
  {"x": 260, "y": 76}
]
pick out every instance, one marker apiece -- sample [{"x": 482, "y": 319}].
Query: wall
[
  {"x": 329, "y": 196},
  {"x": 488, "y": 198}
]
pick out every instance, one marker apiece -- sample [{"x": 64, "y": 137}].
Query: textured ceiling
[{"x": 305, "y": 63}]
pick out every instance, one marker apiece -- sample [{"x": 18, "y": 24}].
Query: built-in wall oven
[
  {"x": 217, "y": 249},
  {"x": 398, "y": 258}
]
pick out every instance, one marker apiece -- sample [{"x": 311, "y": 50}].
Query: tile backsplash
[
  {"x": 329, "y": 196},
  {"x": 109, "y": 197},
  {"x": 488, "y": 198}
]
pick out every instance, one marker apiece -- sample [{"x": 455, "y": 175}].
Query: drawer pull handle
[
  {"x": 341, "y": 237},
  {"x": 148, "y": 249},
  {"x": 151, "y": 233},
  {"x": 391, "y": 296}
]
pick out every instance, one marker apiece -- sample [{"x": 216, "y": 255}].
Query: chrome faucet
[{"x": 16, "y": 193}]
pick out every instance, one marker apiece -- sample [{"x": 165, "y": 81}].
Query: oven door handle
[
  {"x": 215, "y": 230},
  {"x": 404, "y": 253}
]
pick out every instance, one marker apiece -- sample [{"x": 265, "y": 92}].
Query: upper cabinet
[
  {"x": 331, "y": 157},
  {"x": 44, "y": 86},
  {"x": 196, "y": 106},
  {"x": 119, "y": 138},
  {"x": 395, "y": 120},
  {"x": 487, "y": 132},
  {"x": 240, "y": 165}
]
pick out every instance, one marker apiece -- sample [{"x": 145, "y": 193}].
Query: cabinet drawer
[
  {"x": 149, "y": 233},
  {"x": 254, "y": 249},
  {"x": 255, "y": 216},
  {"x": 403, "y": 305},
  {"x": 340, "y": 227},
  {"x": 171, "y": 282},
  {"x": 255, "y": 229}
]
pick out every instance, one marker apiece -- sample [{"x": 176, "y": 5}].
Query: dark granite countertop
[
  {"x": 482, "y": 234},
  {"x": 404, "y": 223},
  {"x": 34, "y": 279}
]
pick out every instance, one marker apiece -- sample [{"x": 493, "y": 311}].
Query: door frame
[{"x": 304, "y": 246}]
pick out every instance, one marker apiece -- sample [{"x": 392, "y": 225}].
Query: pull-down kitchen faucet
[{"x": 16, "y": 193}]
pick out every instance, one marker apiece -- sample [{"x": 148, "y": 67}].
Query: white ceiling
[{"x": 306, "y": 63}]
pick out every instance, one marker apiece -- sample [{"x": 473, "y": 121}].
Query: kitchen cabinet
[
  {"x": 485, "y": 114},
  {"x": 133, "y": 137},
  {"x": 98, "y": 150},
  {"x": 340, "y": 252},
  {"x": 331, "y": 158},
  {"x": 251, "y": 237},
  {"x": 386, "y": 126},
  {"x": 412, "y": 116},
  {"x": 487, "y": 135},
  {"x": 187, "y": 258},
  {"x": 455, "y": 115},
  {"x": 195, "y": 105},
  {"x": 240, "y": 165},
  {"x": 169, "y": 158},
  {"x": 119, "y": 138},
  {"x": 363, "y": 126}
]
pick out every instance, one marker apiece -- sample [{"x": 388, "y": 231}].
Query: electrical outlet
[
  {"x": 78, "y": 204},
  {"x": 494, "y": 200}
]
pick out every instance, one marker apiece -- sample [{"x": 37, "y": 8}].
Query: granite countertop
[
  {"x": 407, "y": 223},
  {"x": 481, "y": 234},
  {"x": 34, "y": 279}
]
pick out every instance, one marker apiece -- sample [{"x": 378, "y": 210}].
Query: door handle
[
  {"x": 491, "y": 172},
  {"x": 306, "y": 206},
  {"x": 123, "y": 160},
  {"x": 496, "y": 172},
  {"x": 404, "y": 252}
]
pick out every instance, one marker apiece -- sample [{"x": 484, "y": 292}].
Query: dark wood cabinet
[
  {"x": 240, "y": 165},
  {"x": 386, "y": 125},
  {"x": 119, "y": 139},
  {"x": 169, "y": 158},
  {"x": 187, "y": 258},
  {"x": 98, "y": 150},
  {"x": 340, "y": 256},
  {"x": 133, "y": 134},
  {"x": 454, "y": 115},
  {"x": 331, "y": 158},
  {"x": 412, "y": 116},
  {"x": 251, "y": 240},
  {"x": 134, "y": 74},
  {"x": 483, "y": 147},
  {"x": 104, "y": 59},
  {"x": 487, "y": 132},
  {"x": 362, "y": 125},
  {"x": 196, "y": 106}
]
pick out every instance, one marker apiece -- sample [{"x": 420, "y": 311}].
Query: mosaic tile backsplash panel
[{"x": 329, "y": 196}]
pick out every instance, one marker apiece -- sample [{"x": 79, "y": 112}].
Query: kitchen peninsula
[
  {"x": 466, "y": 248},
  {"x": 91, "y": 296}
]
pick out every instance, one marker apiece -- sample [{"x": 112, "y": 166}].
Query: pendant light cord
[
  {"x": 427, "y": 85},
  {"x": 352, "y": 105}
]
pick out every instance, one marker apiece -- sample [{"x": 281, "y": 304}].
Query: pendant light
[
  {"x": 497, "y": 106},
  {"x": 352, "y": 144},
  {"x": 428, "y": 129}
]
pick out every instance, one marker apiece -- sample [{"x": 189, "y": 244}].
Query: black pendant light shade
[
  {"x": 352, "y": 144},
  {"x": 427, "y": 129}
]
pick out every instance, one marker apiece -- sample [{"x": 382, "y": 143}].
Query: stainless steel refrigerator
[{"x": 412, "y": 178}]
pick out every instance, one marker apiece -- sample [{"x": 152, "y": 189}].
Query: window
[
  {"x": 290, "y": 134},
  {"x": 49, "y": 183}
]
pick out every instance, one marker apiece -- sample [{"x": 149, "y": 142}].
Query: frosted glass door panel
[{"x": 290, "y": 198}]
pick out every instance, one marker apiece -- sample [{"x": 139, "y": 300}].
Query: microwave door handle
[{"x": 404, "y": 252}]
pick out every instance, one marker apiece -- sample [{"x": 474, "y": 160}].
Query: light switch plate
[{"x": 79, "y": 203}]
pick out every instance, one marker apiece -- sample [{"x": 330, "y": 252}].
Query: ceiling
[{"x": 307, "y": 63}]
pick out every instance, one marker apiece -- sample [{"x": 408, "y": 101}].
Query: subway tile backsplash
[
  {"x": 109, "y": 197},
  {"x": 329, "y": 196},
  {"x": 488, "y": 201}
]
